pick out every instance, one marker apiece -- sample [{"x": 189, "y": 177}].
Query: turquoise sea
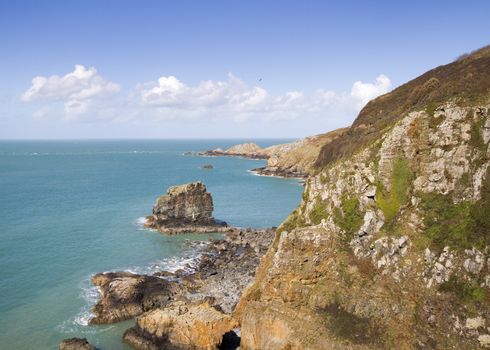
[{"x": 69, "y": 209}]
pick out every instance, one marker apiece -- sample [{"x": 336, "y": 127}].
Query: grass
[
  {"x": 458, "y": 225},
  {"x": 319, "y": 211},
  {"x": 350, "y": 327},
  {"x": 468, "y": 293},
  {"x": 476, "y": 139},
  {"x": 293, "y": 221},
  {"x": 391, "y": 201},
  {"x": 466, "y": 80},
  {"x": 348, "y": 217}
]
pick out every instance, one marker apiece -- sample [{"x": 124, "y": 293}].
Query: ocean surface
[{"x": 69, "y": 209}]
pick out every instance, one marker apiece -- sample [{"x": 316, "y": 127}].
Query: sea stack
[{"x": 185, "y": 208}]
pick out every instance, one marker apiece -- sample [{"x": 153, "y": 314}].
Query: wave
[{"x": 188, "y": 261}]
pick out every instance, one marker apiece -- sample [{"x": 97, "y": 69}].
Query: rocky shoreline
[
  {"x": 295, "y": 159},
  {"x": 200, "y": 301},
  {"x": 265, "y": 171}
]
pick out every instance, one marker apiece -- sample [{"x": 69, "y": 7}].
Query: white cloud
[
  {"x": 365, "y": 92},
  {"x": 84, "y": 95},
  {"x": 77, "y": 91},
  {"x": 233, "y": 98}
]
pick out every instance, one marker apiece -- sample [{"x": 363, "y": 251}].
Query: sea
[{"x": 70, "y": 209}]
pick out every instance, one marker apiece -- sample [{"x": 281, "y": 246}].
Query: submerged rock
[
  {"x": 185, "y": 208},
  {"x": 76, "y": 344},
  {"x": 125, "y": 295}
]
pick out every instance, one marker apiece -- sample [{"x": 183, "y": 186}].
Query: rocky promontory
[
  {"x": 295, "y": 159},
  {"x": 185, "y": 208}
]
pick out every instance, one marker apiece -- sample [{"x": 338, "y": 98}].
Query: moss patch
[
  {"x": 476, "y": 139},
  {"x": 348, "y": 217},
  {"x": 467, "y": 293},
  {"x": 293, "y": 221},
  {"x": 462, "y": 225},
  {"x": 391, "y": 202},
  {"x": 353, "y": 329},
  {"x": 319, "y": 211}
]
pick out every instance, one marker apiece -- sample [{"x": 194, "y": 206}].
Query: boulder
[
  {"x": 180, "y": 326},
  {"x": 76, "y": 344},
  {"x": 125, "y": 295}
]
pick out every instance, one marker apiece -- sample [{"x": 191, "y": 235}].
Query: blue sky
[{"x": 206, "y": 69}]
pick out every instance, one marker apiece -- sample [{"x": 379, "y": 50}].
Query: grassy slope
[{"x": 467, "y": 79}]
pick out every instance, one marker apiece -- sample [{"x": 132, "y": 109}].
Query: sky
[{"x": 216, "y": 69}]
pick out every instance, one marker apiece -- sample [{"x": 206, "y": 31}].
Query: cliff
[
  {"x": 389, "y": 246},
  {"x": 185, "y": 208},
  {"x": 295, "y": 159}
]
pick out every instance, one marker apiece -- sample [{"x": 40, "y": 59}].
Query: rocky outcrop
[
  {"x": 245, "y": 150},
  {"x": 200, "y": 299},
  {"x": 180, "y": 326},
  {"x": 76, "y": 344},
  {"x": 185, "y": 208},
  {"x": 390, "y": 245},
  {"x": 293, "y": 159},
  {"x": 124, "y": 295}
]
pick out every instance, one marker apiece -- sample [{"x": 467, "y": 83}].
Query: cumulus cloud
[
  {"x": 364, "y": 92},
  {"x": 84, "y": 95},
  {"x": 235, "y": 99},
  {"x": 77, "y": 91}
]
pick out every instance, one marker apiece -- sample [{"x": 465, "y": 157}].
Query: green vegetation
[
  {"x": 458, "y": 225},
  {"x": 324, "y": 179},
  {"x": 293, "y": 220},
  {"x": 466, "y": 80},
  {"x": 476, "y": 139},
  {"x": 319, "y": 211},
  {"x": 391, "y": 202},
  {"x": 350, "y": 327},
  {"x": 348, "y": 217},
  {"x": 467, "y": 293},
  {"x": 430, "y": 108}
]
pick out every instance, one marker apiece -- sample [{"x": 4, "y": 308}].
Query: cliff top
[{"x": 467, "y": 80}]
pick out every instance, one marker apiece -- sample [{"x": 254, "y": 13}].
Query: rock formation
[
  {"x": 125, "y": 295},
  {"x": 246, "y": 150},
  {"x": 293, "y": 159},
  {"x": 200, "y": 299},
  {"x": 76, "y": 344},
  {"x": 389, "y": 247},
  {"x": 180, "y": 326},
  {"x": 185, "y": 208}
]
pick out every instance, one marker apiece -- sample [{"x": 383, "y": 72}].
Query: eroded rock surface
[
  {"x": 180, "y": 326},
  {"x": 124, "y": 295},
  {"x": 76, "y": 344},
  {"x": 185, "y": 208}
]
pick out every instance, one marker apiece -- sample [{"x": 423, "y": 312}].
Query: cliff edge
[{"x": 389, "y": 247}]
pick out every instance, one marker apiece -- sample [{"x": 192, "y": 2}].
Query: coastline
[{"x": 222, "y": 269}]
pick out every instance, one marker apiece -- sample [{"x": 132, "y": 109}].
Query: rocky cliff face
[
  {"x": 185, "y": 208},
  {"x": 293, "y": 159},
  {"x": 389, "y": 246}
]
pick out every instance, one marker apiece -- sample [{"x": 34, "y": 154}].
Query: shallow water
[{"x": 69, "y": 209}]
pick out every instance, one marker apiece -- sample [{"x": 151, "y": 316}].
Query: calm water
[{"x": 71, "y": 209}]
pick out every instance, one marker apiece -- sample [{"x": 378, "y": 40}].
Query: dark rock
[
  {"x": 185, "y": 208},
  {"x": 125, "y": 295},
  {"x": 76, "y": 344}
]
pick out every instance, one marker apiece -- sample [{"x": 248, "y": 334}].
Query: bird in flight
[{"x": 260, "y": 79}]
